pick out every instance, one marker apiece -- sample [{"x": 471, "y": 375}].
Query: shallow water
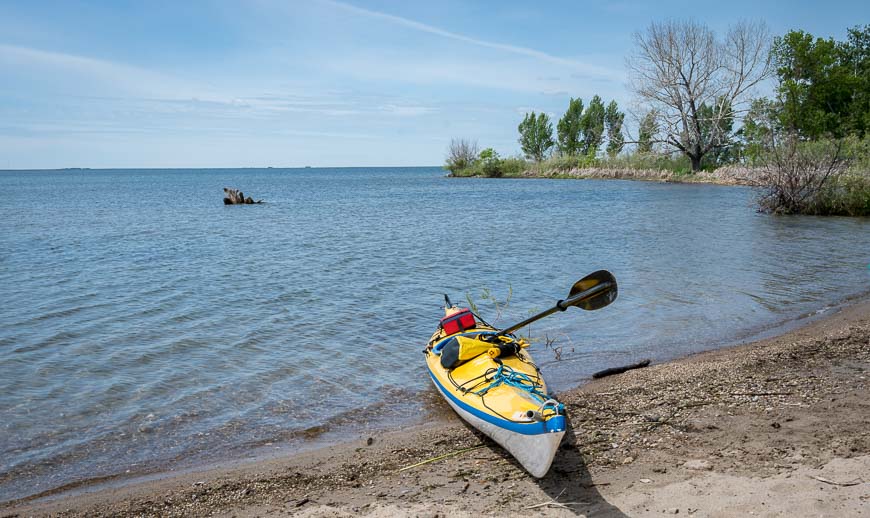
[{"x": 145, "y": 325}]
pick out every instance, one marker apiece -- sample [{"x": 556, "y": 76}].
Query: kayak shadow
[{"x": 569, "y": 482}]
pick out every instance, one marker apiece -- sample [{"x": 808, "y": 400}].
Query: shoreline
[
  {"x": 634, "y": 438},
  {"x": 726, "y": 175}
]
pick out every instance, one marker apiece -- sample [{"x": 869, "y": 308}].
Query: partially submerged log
[
  {"x": 620, "y": 370},
  {"x": 237, "y": 197}
]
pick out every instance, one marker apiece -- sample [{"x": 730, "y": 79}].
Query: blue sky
[{"x": 320, "y": 83}]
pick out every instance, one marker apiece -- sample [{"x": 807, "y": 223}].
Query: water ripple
[{"x": 139, "y": 333}]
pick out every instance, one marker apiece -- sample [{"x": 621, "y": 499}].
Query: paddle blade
[{"x": 596, "y": 290}]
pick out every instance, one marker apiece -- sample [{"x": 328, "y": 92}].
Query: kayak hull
[{"x": 534, "y": 451}]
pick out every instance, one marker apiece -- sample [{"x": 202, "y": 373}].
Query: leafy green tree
[
  {"x": 855, "y": 56},
  {"x": 536, "y": 136},
  {"x": 593, "y": 126},
  {"x": 824, "y": 85},
  {"x": 569, "y": 128},
  {"x": 614, "y": 119},
  {"x": 804, "y": 65},
  {"x": 647, "y": 132}
]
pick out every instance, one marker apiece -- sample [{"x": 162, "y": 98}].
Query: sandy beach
[{"x": 778, "y": 427}]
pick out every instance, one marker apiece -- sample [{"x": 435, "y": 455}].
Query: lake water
[{"x": 146, "y": 326}]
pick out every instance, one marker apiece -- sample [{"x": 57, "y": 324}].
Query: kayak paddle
[{"x": 596, "y": 290}]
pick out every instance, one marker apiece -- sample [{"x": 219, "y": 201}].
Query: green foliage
[
  {"x": 824, "y": 85},
  {"x": 513, "y": 166},
  {"x": 490, "y": 165},
  {"x": 536, "y": 136},
  {"x": 675, "y": 163},
  {"x": 760, "y": 127},
  {"x": 647, "y": 133},
  {"x": 593, "y": 126},
  {"x": 614, "y": 119},
  {"x": 679, "y": 164},
  {"x": 716, "y": 129},
  {"x": 845, "y": 195},
  {"x": 569, "y": 128},
  {"x": 490, "y": 162}
]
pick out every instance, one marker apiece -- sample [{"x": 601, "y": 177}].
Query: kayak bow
[{"x": 490, "y": 380}]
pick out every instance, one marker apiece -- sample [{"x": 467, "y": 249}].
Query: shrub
[
  {"x": 461, "y": 154},
  {"x": 490, "y": 163},
  {"x": 513, "y": 166},
  {"x": 811, "y": 178}
]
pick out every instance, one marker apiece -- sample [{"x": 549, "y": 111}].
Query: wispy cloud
[
  {"x": 513, "y": 49},
  {"x": 118, "y": 77}
]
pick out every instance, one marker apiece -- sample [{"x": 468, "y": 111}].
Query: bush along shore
[{"x": 651, "y": 168}]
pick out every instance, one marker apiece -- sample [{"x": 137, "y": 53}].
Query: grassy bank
[
  {"x": 846, "y": 193},
  {"x": 650, "y": 167}
]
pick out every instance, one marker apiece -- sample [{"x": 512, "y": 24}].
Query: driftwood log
[
  {"x": 620, "y": 370},
  {"x": 237, "y": 197}
]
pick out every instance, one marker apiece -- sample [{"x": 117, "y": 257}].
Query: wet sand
[{"x": 778, "y": 427}]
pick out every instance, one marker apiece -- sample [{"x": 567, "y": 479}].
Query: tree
[
  {"x": 536, "y": 136},
  {"x": 717, "y": 132},
  {"x": 570, "y": 129},
  {"x": 855, "y": 55},
  {"x": 614, "y": 118},
  {"x": 761, "y": 126},
  {"x": 811, "y": 105},
  {"x": 647, "y": 132},
  {"x": 460, "y": 154},
  {"x": 824, "y": 85},
  {"x": 679, "y": 66},
  {"x": 593, "y": 126}
]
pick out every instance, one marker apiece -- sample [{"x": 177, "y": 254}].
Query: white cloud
[
  {"x": 87, "y": 74},
  {"x": 584, "y": 68}
]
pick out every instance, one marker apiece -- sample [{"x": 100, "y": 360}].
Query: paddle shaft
[{"x": 562, "y": 305}]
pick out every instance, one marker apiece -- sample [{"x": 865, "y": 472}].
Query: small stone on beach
[{"x": 698, "y": 465}]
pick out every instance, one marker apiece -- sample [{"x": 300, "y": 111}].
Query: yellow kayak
[{"x": 493, "y": 384}]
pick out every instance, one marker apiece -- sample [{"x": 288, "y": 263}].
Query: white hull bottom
[{"x": 534, "y": 452}]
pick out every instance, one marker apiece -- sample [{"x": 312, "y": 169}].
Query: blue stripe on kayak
[{"x": 535, "y": 428}]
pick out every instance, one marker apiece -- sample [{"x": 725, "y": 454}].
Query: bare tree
[
  {"x": 695, "y": 83},
  {"x": 461, "y": 154}
]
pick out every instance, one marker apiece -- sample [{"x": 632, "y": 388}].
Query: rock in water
[{"x": 237, "y": 197}]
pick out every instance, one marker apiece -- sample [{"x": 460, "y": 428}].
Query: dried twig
[
  {"x": 762, "y": 393},
  {"x": 554, "y": 503},
  {"x": 445, "y": 456},
  {"x": 826, "y": 481}
]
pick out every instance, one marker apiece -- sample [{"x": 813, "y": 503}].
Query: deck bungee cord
[{"x": 506, "y": 375}]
